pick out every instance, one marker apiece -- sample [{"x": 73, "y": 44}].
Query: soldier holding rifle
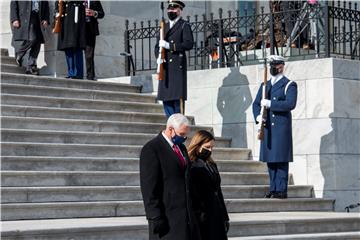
[
  {"x": 272, "y": 112},
  {"x": 177, "y": 38}
]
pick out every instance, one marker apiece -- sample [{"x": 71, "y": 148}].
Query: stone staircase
[{"x": 70, "y": 166}]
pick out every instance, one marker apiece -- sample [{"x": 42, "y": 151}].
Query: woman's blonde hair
[{"x": 200, "y": 137}]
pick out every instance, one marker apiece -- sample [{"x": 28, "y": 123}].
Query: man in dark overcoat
[
  {"x": 72, "y": 37},
  {"x": 276, "y": 148},
  {"x": 164, "y": 181},
  {"x": 27, "y": 18},
  {"x": 178, "y": 39},
  {"x": 94, "y": 12}
]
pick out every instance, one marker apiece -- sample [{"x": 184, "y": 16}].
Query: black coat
[
  {"x": 165, "y": 189},
  {"x": 208, "y": 200},
  {"x": 180, "y": 37},
  {"x": 92, "y": 27},
  {"x": 21, "y": 10},
  {"x": 72, "y": 34}
]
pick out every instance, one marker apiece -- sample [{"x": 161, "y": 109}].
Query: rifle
[
  {"x": 160, "y": 67},
  {"x": 57, "y": 27},
  {"x": 263, "y": 109}
]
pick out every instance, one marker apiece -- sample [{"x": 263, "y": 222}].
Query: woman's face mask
[{"x": 204, "y": 153}]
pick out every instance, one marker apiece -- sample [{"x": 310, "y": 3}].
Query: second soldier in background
[{"x": 178, "y": 39}]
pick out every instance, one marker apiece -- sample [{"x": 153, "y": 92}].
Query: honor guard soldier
[
  {"x": 178, "y": 38},
  {"x": 276, "y": 147}
]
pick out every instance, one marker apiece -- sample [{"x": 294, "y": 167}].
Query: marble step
[
  {"x": 86, "y": 125},
  {"x": 306, "y": 236},
  {"x": 4, "y": 52},
  {"x": 83, "y": 114},
  {"x": 135, "y": 228},
  {"x": 7, "y": 60},
  {"x": 71, "y": 103},
  {"x": 37, "y": 163},
  {"x": 47, "y": 81},
  {"x": 126, "y": 193},
  {"x": 46, "y": 136},
  {"x": 96, "y": 150},
  {"x": 26, "y": 211},
  {"x": 106, "y": 178},
  {"x": 12, "y": 68},
  {"x": 63, "y": 92}
]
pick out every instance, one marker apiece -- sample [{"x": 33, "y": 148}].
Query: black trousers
[
  {"x": 33, "y": 43},
  {"x": 89, "y": 57}
]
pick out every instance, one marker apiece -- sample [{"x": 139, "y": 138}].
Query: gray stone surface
[
  {"x": 126, "y": 193},
  {"x": 244, "y": 224},
  {"x": 23, "y": 211}
]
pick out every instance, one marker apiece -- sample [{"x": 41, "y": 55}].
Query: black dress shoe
[
  {"x": 268, "y": 195},
  {"x": 32, "y": 71},
  {"x": 280, "y": 195}
]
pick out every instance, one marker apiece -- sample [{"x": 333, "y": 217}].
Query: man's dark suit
[
  {"x": 30, "y": 31},
  {"x": 165, "y": 189}
]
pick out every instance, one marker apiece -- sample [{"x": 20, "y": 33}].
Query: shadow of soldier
[
  {"x": 340, "y": 171},
  {"x": 233, "y": 99}
]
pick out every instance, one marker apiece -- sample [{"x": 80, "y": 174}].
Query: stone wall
[{"x": 326, "y": 121}]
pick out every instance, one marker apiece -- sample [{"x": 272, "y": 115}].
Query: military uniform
[
  {"x": 173, "y": 89},
  {"x": 276, "y": 147}
]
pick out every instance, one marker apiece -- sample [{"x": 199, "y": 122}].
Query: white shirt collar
[
  {"x": 167, "y": 139},
  {"x": 172, "y": 23},
  {"x": 275, "y": 79}
]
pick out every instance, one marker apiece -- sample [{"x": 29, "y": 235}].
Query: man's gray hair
[{"x": 177, "y": 120}]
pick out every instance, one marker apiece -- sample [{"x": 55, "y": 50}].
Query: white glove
[
  {"x": 265, "y": 103},
  {"x": 164, "y": 44},
  {"x": 159, "y": 60},
  {"x": 259, "y": 118}
]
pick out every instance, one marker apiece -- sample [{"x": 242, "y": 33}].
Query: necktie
[{"x": 180, "y": 156}]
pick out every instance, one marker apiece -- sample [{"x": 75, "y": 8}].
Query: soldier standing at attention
[
  {"x": 276, "y": 147},
  {"x": 178, "y": 39}
]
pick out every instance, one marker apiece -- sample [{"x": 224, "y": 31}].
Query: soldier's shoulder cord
[{"x": 287, "y": 86}]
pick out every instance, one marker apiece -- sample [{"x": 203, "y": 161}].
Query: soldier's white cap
[{"x": 276, "y": 59}]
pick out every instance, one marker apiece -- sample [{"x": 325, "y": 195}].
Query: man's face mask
[
  {"x": 172, "y": 15},
  {"x": 178, "y": 140},
  {"x": 273, "y": 70}
]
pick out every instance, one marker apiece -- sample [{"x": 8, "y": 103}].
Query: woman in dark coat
[
  {"x": 72, "y": 38},
  {"x": 206, "y": 194}
]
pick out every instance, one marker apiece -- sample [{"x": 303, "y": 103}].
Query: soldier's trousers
[
  {"x": 279, "y": 176},
  {"x": 174, "y": 106}
]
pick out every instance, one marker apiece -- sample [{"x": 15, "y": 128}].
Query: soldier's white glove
[
  {"x": 159, "y": 61},
  {"x": 164, "y": 44},
  {"x": 259, "y": 118},
  {"x": 265, "y": 103}
]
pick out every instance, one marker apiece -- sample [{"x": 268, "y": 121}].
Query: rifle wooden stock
[
  {"x": 263, "y": 109},
  {"x": 160, "y": 70},
  {"x": 57, "y": 27}
]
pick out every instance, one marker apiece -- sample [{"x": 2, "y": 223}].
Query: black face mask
[
  {"x": 172, "y": 15},
  {"x": 274, "y": 71},
  {"x": 204, "y": 154}
]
